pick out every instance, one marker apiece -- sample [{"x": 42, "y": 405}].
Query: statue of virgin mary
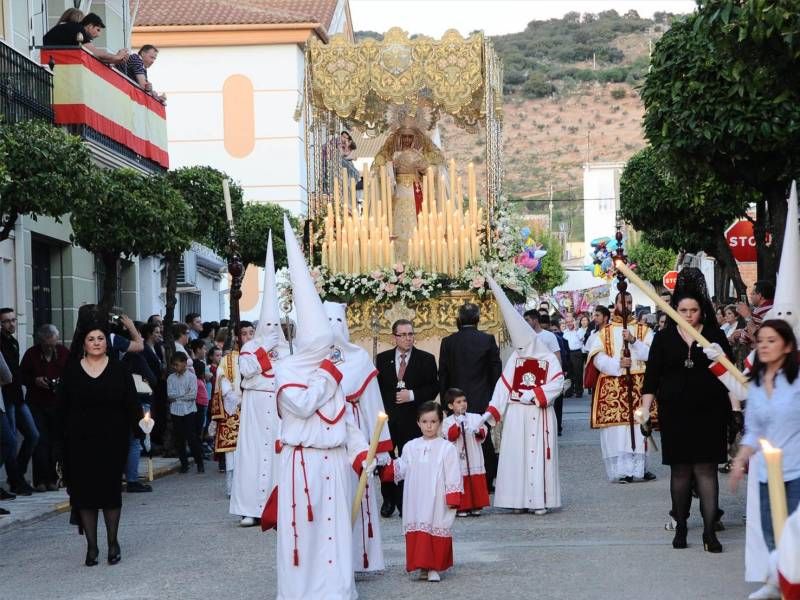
[{"x": 407, "y": 154}]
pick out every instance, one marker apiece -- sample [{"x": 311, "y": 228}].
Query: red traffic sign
[
  {"x": 742, "y": 241},
  {"x": 669, "y": 280}
]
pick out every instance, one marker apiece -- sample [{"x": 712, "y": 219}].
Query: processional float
[{"x": 411, "y": 209}]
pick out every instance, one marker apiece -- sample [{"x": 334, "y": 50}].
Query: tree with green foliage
[
  {"x": 252, "y": 230},
  {"x": 675, "y": 214},
  {"x": 651, "y": 261},
  {"x": 46, "y": 169},
  {"x": 723, "y": 94},
  {"x": 201, "y": 189},
  {"x": 129, "y": 215}
]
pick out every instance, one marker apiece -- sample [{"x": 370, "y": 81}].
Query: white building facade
[{"x": 234, "y": 79}]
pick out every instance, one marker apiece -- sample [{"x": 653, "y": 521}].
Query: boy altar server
[
  {"x": 319, "y": 448},
  {"x": 527, "y": 471},
  {"x": 364, "y": 402},
  {"x": 259, "y": 425}
]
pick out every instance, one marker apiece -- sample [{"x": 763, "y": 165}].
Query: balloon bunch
[
  {"x": 532, "y": 253},
  {"x": 601, "y": 255}
]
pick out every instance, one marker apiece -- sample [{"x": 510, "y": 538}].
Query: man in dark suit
[
  {"x": 469, "y": 360},
  {"x": 407, "y": 378}
]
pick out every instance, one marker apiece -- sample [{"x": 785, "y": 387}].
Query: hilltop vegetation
[{"x": 570, "y": 95}]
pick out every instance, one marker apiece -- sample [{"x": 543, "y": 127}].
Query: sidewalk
[{"x": 28, "y": 509}]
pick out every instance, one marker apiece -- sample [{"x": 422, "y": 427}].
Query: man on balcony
[
  {"x": 136, "y": 66},
  {"x": 70, "y": 33}
]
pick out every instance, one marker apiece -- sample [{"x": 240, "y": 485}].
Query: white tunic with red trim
[
  {"x": 259, "y": 429},
  {"x": 527, "y": 471},
  {"x": 470, "y": 455},
  {"x": 364, "y": 402},
  {"x": 320, "y": 448},
  {"x": 431, "y": 493}
]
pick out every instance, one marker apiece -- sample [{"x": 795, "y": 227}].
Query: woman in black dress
[
  {"x": 694, "y": 410},
  {"x": 100, "y": 412}
]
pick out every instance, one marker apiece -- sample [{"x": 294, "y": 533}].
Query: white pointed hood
[
  {"x": 351, "y": 359},
  {"x": 269, "y": 332},
  {"x": 314, "y": 335},
  {"x": 786, "y": 305},
  {"x": 522, "y": 334}
]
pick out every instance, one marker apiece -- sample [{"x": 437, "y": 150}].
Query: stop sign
[
  {"x": 742, "y": 241},
  {"x": 669, "y": 279}
]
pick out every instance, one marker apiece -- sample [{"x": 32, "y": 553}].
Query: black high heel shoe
[
  {"x": 679, "y": 541},
  {"x": 91, "y": 557},
  {"x": 114, "y": 553},
  {"x": 711, "y": 543}
]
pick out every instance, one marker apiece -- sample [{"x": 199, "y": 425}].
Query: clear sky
[{"x": 494, "y": 17}]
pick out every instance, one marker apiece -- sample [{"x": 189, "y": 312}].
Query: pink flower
[
  {"x": 377, "y": 275},
  {"x": 399, "y": 268},
  {"x": 389, "y": 288},
  {"x": 416, "y": 283},
  {"x": 315, "y": 273},
  {"x": 478, "y": 281}
]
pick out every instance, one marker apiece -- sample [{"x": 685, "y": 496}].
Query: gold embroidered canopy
[
  {"x": 359, "y": 85},
  {"x": 360, "y": 81}
]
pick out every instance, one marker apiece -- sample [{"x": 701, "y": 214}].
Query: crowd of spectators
[{"x": 31, "y": 417}]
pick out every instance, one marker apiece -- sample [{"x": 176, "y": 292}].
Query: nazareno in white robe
[
  {"x": 527, "y": 470},
  {"x": 259, "y": 428},
  {"x": 615, "y": 442},
  {"x": 431, "y": 493},
  {"x": 363, "y": 396},
  {"x": 320, "y": 447}
]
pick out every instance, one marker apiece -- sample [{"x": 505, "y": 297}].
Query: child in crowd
[
  {"x": 198, "y": 349},
  {"x": 467, "y": 432},
  {"x": 182, "y": 394},
  {"x": 432, "y": 491}
]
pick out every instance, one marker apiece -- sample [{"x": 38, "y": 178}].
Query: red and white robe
[
  {"x": 259, "y": 429},
  {"x": 363, "y": 396},
  {"x": 320, "y": 447},
  {"x": 470, "y": 454},
  {"x": 527, "y": 471},
  {"x": 432, "y": 491}
]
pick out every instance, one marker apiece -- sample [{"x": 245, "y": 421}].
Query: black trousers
[
  {"x": 489, "y": 458},
  {"x": 185, "y": 431},
  {"x": 576, "y": 372},
  {"x": 558, "y": 406},
  {"x": 48, "y": 451}
]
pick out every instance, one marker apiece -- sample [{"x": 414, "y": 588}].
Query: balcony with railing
[
  {"x": 26, "y": 88},
  {"x": 120, "y": 120}
]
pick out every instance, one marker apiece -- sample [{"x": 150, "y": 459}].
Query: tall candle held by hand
[
  {"x": 773, "y": 457},
  {"x": 226, "y": 193}
]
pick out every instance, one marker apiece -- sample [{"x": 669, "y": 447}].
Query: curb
[{"x": 63, "y": 507}]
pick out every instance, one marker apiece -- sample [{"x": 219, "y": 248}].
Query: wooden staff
[
  {"x": 679, "y": 320},
  {"x": 373, "y": 448}
]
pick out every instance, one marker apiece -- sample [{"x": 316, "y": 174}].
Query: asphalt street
[{"x": 608, "y": 541}]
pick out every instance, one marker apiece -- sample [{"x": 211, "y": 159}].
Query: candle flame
[
  {"x": 147, "y": 416},
  {"x": 382, "y": 415},
  {"x": 765, "y": 445}
]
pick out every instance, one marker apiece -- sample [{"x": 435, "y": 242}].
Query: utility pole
[{"x": 552, "y": 229}]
